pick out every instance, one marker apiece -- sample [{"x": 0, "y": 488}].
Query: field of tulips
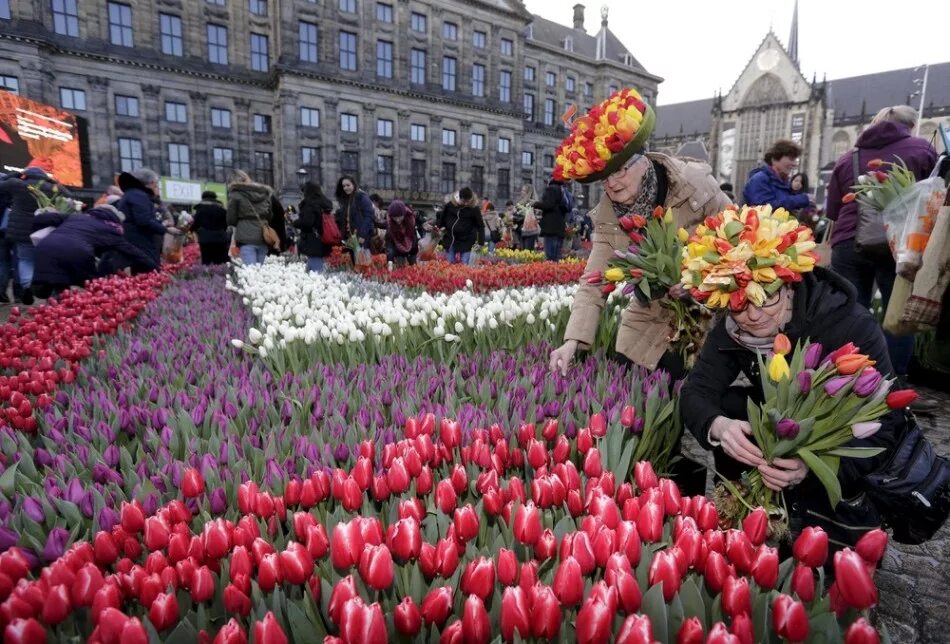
[
  {"x": 443, "y": 277},
  {"x": 306, "y": 318},
  {"x": 365, "y": 485}
]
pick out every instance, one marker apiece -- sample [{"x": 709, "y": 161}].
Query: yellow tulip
[
  {"x": 614, "y": 274},
  {"x": 682, "y": 234},
  {"x": 755, "y": 293},
  {"x": 668, "y": 217},
  {"x": 778, "y": 368}
]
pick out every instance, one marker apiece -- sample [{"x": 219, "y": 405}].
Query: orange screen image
[{"x": 32, "y": 132}]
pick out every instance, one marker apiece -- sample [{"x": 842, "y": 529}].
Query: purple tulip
[
  {"x": 867, "y": 382},
  {"x": 74, "y": 491},
  {"x": 787, "y": 428},
  {"x": 834, "y": 386},
  {"x": 218, "y": 501},
  {"x": 8, "y": 539},
  {"x": 804, "y": 382},
  {"x": 34, "y": 509},
  {"x": 87, "y": 505},
  {"x": 55, "y": 545},
  {"x": 111, "y": 455},
  {"x": 813, "y": 355}
]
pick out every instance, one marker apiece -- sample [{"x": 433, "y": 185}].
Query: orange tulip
[
  {"x": 782, "y": 345},
  {"x": 848, "y": 198},
  {"x": 852, "y": 363}
]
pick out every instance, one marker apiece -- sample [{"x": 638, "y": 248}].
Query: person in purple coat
[
  {"x": 67, "y": 256},
  {"x": 888, "y": 138},
  {"x": 769, "y": 184}
]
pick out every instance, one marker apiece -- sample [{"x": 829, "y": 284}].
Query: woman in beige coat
[{"x": 641, "y": 184}]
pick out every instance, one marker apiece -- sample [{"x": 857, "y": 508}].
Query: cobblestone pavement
[{"x": 914, "y": 581}]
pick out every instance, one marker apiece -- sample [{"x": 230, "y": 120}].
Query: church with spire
[{"x": 771, "y": 99}]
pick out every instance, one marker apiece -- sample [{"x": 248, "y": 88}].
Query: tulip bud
[
  {"x": 236, "y": 601},
  {"x": 861, "y": 632},
  {"x": 515, "y": 614},
  {"x": 765, "y": 567},
  {"x": 568, "y": 582},
  {"x": 479, "y": 578},
  {"x": 192, "y": 483},
  {"x": 636, "y": 629},
  {"x": 376, "y": 567},
  {"x": 406, "y": 618},
  {"x": 527, "y": 524},
  {"x": 811, "y": 547},
  {"x": 736, "y": 596},
  {"x": 871, "y": 546},
  {"x": 789, "y": 618},
  {"x": 476, "y": 624},
  {"x": 644, "y": 476},
  {"x": 546, "y": 545},
  {"x": 163, "y": 612},
  {"x": 437, "y": 605},
  {"x": 854, "y": 580},
  {"x": 269, "y": 631},
  {"x": 691, "y": 632},
  {"x": 664, "y": 569}
]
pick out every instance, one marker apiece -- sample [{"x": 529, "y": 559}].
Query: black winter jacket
[
  {"x": 462, "y": 225},
  {"x": 17, "y": 196},
  {"x": 825, "y": 310},
  {"x": 142, "y": 226},
  {"x": 310, "y": 224},
  {"x": 211, "y": 223},
  {"x": 553, "y": 216}
]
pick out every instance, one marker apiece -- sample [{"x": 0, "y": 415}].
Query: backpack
[
  {"x": 567, "y": 200},
  {"x": 331, "y": 232}
]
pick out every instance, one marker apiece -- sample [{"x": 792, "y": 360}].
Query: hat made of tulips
[
  {"x": 605, "y": 138},
  {"x": 746, "y": 255}
]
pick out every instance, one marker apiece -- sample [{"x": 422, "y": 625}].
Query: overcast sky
[{"x": 701, "y": 46}]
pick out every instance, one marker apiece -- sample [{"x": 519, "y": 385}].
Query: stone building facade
[{"x": 414, "y": 97}]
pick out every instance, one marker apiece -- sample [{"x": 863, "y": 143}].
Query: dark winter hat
[
  {"x": 466, "y": 194},
  {"x": 209, "y": 195}
]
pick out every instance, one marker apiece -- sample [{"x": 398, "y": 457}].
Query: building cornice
[{"x": 605, "y": 62}]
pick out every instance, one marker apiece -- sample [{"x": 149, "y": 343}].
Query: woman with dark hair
[
  {"x": 356, "y": 215},
  {"x": 463, "y": 225},
  {"x": 402, "y": 245},
  {"x": 310, "y": 224},
  {"x": 768, "y": 184}
]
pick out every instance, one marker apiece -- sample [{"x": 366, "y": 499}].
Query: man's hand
[
  {"x": 732, "y": 436},
  {"x": 562, "y": 356},
  {"x": 783, "y": 473}
]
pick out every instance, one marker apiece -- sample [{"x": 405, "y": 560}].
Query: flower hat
[
  {"x": 746, "y": 255},
  {"x": 602, "y": 140}
]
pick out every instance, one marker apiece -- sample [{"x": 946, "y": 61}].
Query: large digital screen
[{"x": 34, "y": 132}]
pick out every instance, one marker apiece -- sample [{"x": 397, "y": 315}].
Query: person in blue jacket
[
  {"x": 67, "y": 256},
  {"x": 356, "y": 215},
  {"x": 138, "y": 204},
  {"x": 769, "y": 184}
]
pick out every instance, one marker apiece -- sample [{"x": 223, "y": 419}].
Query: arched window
[
  {"x": 763, "y": 119},
  {"x": 840, "y": 143}
]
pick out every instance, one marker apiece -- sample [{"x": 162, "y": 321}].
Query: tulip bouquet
[
  {"x": 427, "y": 537},
  {"x": 882, "y": 184},
  {"x": 814, "y": 407},
  {"x": 54, "y": 201},
  {"x": 649, "y": 268}
]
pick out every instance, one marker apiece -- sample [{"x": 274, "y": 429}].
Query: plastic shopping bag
[
  {"x": 171, "y": 248},
  {"x": 37, "y": 236},
  {"x": 364, "y": 257},
  {"x": 909, "y": 220}
]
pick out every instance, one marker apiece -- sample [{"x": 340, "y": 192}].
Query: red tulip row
[
  {"x": 42, "y": 348},
  {"x": 385, "y": 550},
  {"x": 443, "y": 277}
]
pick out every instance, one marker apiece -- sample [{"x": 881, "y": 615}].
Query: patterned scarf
[{"x": 645, "y": 201}]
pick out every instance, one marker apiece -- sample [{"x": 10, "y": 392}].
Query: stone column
[
  {"x": 101, "y": 132},
  {"x": 243, "y": 124},
  {"x": 402, "y": 150},
  {"x": 368, "y": 145},
  {"x": 329, "y": 153},
  {"x": 153, "y": 143},
  {"x": 287, "y": 158},
  {"x": 200, "y": 149}
]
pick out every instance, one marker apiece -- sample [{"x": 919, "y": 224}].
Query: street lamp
[
  {"x": 923, "y": 94},
  {"x": 302, "y": 176}
]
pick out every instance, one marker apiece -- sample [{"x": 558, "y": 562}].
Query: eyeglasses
[{"x": 768, "y": 305}]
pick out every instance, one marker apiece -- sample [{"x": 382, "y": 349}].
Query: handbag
[
  {"x": 530, "y": 227},
  {"x": 912, "y": 490},
  {"x": 331, "y": 232},
  {"x": 270, "y": 236},
  {"x": 870, "y": 239}
]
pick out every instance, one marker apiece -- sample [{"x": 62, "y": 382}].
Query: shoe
[
  {"x": 925, "y": 406},
  {"x": 27, "y": 296}
]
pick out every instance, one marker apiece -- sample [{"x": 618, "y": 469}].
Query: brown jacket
[{"x": 643, "y": 336}]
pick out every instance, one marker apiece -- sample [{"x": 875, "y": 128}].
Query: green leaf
[
  {"x": 8, "y": 481},
  {"x": 654, "y": 607},
  {"x": 824, "y": 473},
  {"x": 855, "y": 452},
  {"x": 692, "y": 600},
  {"x": 622, "y": 468},
  {"x": 68, "y": 510},
  {"x": 303, "y": 630},
  {"x": 184, "y": 633}
]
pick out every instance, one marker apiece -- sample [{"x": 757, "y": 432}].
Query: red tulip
[
  {"x": 346, "y": 545},
  {"x": 756, "y": 526},
  {"x": 376, "y": 567},
  {"x": 466, "y": 523},
  {"x": 362, "y": 624},
  {"x": 598, "y": 425},
  {"x": 584, "y": 440},
  {"x": 740, "y": 551},
  {"x": 296, "y": 564},
  {"x": 569, "y": 583},
  {"x": 231, "y": 633},
  {"x": 789, "y": 618},
  {"x": 451, "y": 433},
  {"x": 644, "y": 476},
  {"x": 397, "y": 476},
  {"x": 24, "y": 631},
  {"x": 604, "y": 544},
  {"x": 111, "y": 623},
  {"x": 452, "y": 634},
  {"x": 437, "y": 605},
  {"x": 105, "y": 549},
  {"x": 317, "y": 542},
  {"x": 515, "y": 614},
  {"x": 546, "y": 545},
  {"x": 811, "y": 547},
  {"x": 192, "y": 483},
  {"x": 628, "y": 591},
  {"x": 854, "y": 581},
  {"x": 691, "y": 632},
  {"x": 636, "y": 629},
  {"x": 270, "y": 575},
  {"x": 476, "y": 625},
  {"x": 736, "y": 596},
  {"x": 87, "y": 583},
  {"x": 269, "y": 631},
  {"x": 57, "y": 605},
  {"x": 132, "y": 517},
  {"x": 241, "y": 562},
  {"x": 236, "y": 601},
  {"x": 592, "y": 463},
  {"x": 577, "y": 545},
  {"x": 803, "y": 582},
  {"x": 406, "y": 617},
  {"x": 664, "y": 569},
  {"x": 108, "y": 596},
  {"x": 742, "y": 628},
  {"x": 901, "y": 398},
  {"x": 405, "y": 539},
  {"x": 343, "y": 591},
  {"x": 537, "y": 454},
  {"x": 860, "y": 632},
  {"x": 650, "y": 522},
  {"x": 156, "y": 533},
  {"x": 594, "y": 619},
  {"x": 672, "y": 498},
  {"x": 871, "y": 546},
  {"x": 719, "y": 634},
  {"x": 479, "y": 578},
  {"x": 603, "y": 507},
  {"x": 202, "y": 585},
  {"x": 507, "y": 567},
  {"x": 163, "y": 612},
  {"x": 545, "y": 612},
  {"x": 217, "y": 539},
  {"x": 527, "y": 526},
  {"x": 765, "y": 567},
  {"x": 446, "y": 498}
]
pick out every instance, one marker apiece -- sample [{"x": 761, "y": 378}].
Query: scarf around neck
[
  {"x": 755, "y": 343},
  {"x": 646, "y": 197}
]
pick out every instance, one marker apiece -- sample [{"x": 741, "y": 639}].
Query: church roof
[
  {"x": 850, "y": 97},
  {"x": 585, "y": 44},
  {"x": 678, "y": 119}
]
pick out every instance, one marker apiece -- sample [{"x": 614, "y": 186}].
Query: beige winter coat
[{"x": 692, "y": 193}]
